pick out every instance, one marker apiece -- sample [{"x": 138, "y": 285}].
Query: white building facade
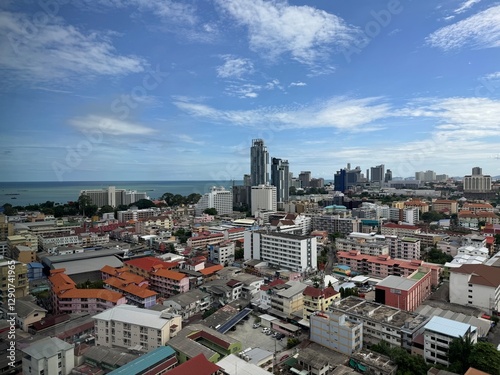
[
  {"x": 218, "y": 198},
  {"x": 282, "y": 250},
  {"x": 263, "y": 197}
]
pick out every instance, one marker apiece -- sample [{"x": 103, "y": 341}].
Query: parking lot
[{"x": 254, "y": 338}]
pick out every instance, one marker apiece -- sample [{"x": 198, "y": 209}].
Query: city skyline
[{"x": 170, "y": 90}]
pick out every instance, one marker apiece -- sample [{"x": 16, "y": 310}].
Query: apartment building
[
  {"x": 316, "y": 299},
  {"x": 282, "y": 250},
  {"x": 476, "y": 285},
  {"x": 23, "y": 254},
  {"x": 263, "y": 197},
  {"x": 446, "y": 206},
  {"x": 144, "y": 225},
  {"x": 92, "y": 239},
  {"x": 380, "y": 322},
  {"x": 190, "y": 303},
  {"x": 168, "y": 283},
  {"x": 134, "y": 294},
  {"x": 136, "y": 214},
  {"x": 218, "y": 198},
  {"x": 365, "y": 243},
  {"x": 405, "y": 293},
  {"x": 422, "y": 206},
  {"x": 13, "y": 274},
  {"x": 49, "y": 242},
  {"x": 287, "y": 300},
  {"x": 477, "y": 207},
  {"x": 203, "y": 239},
  {"x": 144, "y": 266},
  {"x": 222, "y": 253},
  {"x": 67, "y": 298},
  {"x": 439, "y": 333},
  {"x": 335, "y": 331},
  {"x": 128, "y": 326},
  {"x": 400, "y": 230},
  {"x": 383, "y": 265},
  {"x": 113, "y": 197},
  {"x": 336, "y": 224},
  {"x": 49, "y": 355}
]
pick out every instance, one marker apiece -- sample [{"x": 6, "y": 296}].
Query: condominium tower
[{"x": 259, "y": 162}]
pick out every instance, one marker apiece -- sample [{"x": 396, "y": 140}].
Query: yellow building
[
  {"x": 316, "y": 299},
  {"x": 14, "y": 276}
]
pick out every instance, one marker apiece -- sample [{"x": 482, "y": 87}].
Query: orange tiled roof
[
  {"x": 168, "y": 274},
  {"x": 210, "y": 270},
  {"x": 104, "y": 294},
  {"x": 130, "y": 288}
]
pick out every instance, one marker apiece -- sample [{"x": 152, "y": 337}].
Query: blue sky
[{"x": 177, "y": 90}]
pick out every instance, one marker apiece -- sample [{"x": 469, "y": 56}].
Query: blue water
[{"x": 27, "y": 193}]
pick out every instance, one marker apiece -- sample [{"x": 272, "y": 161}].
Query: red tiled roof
[
  {"x": 198, "y": 365},
  {"x": 104, "y": 294},
  {"x": 235, "y": 230},
  {"x": 168, "y": 274},
  {"x": 210, "y": 270},
  {"x": 316, "y": 292},
  {"x": 272, "y": 284},
  {"x": 130, "y": 288},
  {"x": 233, "y": 282},
  {"x": 146, "y": 263}
]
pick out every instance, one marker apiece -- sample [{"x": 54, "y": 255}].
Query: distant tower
[
  {"x": 377, "y": 173},
  {"x": 388, "y": 176},
  {"x": 305, "y": 178},
  {"x": 280, "y": 178},
  {"x": 259, "y": 162},
  {"x": 247, "y": 180},
  {"x": 477, "y": 171}
]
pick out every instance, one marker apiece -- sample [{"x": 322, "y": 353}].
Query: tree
[
  {"x": 485, "y": 357},
  {"x": 8, "y": 210},
  {"x": 459, "y": 352},
  {"x": 83, "y": 202},
  {"x": 239, "y": 254},
  {"x": 407, "y": 364},
  {"x": 210, "y": 211},
  {"x": 106, "y": 209},
  {"x": 143, "y": 203}
]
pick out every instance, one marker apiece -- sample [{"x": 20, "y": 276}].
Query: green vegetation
[
  {"x": 407, "y": 364},
  {"x": 239, "y": 254},
  {"x": 432, "y": 216},
  {"x": 437, "y": 256},
  {"x": 348, "y": 292},
  {"x": 143, "y": 203},
  {"x": 99, "y": 284},
  {"x": 291, "y": 342},
  {"x": 182, "y": 235},
  {"x": 210, "y": 211},
  {"x": 209, "y": 312},
  {"x": 172, "y": 200},
  {"x": 481, "y": 355}
]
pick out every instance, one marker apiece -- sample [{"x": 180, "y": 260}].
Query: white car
[{"x": 265, "y": 330}]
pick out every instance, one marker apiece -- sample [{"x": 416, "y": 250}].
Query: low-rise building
[
  {"x": 14, "y": 274},
  {"x": 28, "y": 312},
  {"x": 380, "y": 322},
  {"x": 404, "y": 293},
  {"x": 476, "y": 285},
  {"x": 49, "y": 355},
  {"x": 287, "y": 299},
  {"x": 439, "y": 333},
  {"x": 316, "y": 299},
  {"x": 190, "y": 303},
  {"x": 335, "y": 331},
  {"x": 168, "y": 283},
  {"x": 127, "y": 326}
]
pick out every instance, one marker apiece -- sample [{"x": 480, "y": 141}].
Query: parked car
[
  {"x": 256, "y": 325},
  {"x": 280, "y": 336},
  {"x": 284, "y": 357},
  {"x": 269, "y": 332},
  {"x": 265, "y": 330}
]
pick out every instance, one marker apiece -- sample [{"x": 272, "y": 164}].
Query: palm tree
[{"x": 459, "y": 352}]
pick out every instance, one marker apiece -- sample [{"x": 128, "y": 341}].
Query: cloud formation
[{"x": 481, "y": 30}]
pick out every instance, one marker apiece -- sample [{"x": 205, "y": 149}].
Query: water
[{"x": 26, "y": 193}]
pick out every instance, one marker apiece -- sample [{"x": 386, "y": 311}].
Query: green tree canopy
[
  {"x": 485, "y": 357},
  {"x": 459, "y": 352},
  {"x": 210, "y": 211},
  {"x": 106, "y": 209},
  {"x": 143, "y": 203}
]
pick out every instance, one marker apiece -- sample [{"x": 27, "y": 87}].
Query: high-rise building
[
  {"x": 113, "y": 197},
  {"x": 263, "y": 197},
  {"x": 388, "y": 175},
  {"x": 429, "y": 176},
  {"x": 305, "y": 178},
  {"x": 280, "y": 178},
  {"x": 259, "y": 161},
  {"x": 377, "y": 173},
  {"x": 247, "y": 180},
  {"x": 218, "y": 198},
  {"x": 347, "y": 178},
  {"x": 477, "y": 182}
]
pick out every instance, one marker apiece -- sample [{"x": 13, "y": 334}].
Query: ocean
[{"x": 26, "y": 193}]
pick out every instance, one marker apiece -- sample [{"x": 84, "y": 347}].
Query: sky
[{"x": 109, "y": 90}]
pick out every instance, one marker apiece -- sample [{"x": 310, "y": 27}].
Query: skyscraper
[
  {"x": 377, "y": 173},
  {"x": 305, "y": 178},
  {"x": 259, "y": 161},
  {"x": 280, "y": 178}
]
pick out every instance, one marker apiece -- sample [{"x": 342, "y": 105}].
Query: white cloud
[
  {"x": 56, "y": 51},
  {"x": 294, "y": 84},
  {"x": 341, "y": 113},
  {"x": 481, "y": 30},
  {"x": 465, "y": 5},
  {"x": 235, "y": 67},
  {"x": 188, "y": 139},
  {"x": 276, "y": 28},
  {"x": 250, "y": 90},
  {"x": 108, "y": 125}
]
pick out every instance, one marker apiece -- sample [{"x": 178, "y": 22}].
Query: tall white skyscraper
[{"x": 259, "y": 163}]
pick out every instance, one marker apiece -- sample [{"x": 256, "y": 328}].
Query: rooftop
[
  {"x": 47, "y": 348},
  {"x": 397, "y": 282},
  {"x": 198, "y": 365},
  {"x": 448, "y": 327},
  {"x": 134, "y": 315},
  {"x": 144, "y": 362}
]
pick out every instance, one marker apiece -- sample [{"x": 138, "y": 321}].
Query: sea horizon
[{"x": 24, "y": 193}]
